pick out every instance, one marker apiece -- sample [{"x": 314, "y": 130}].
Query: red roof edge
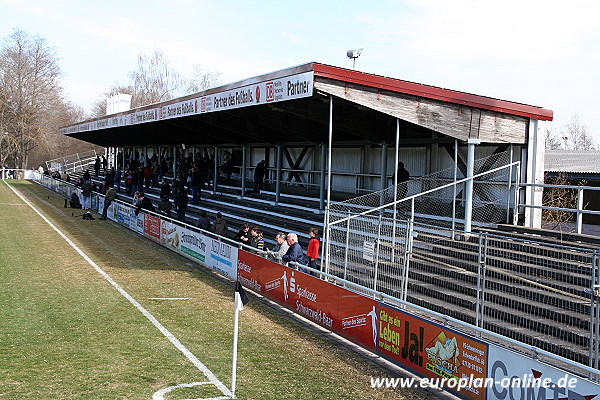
[{"x": 432, "y": 92}]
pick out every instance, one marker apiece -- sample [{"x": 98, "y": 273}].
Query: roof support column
[
  {"x": 278, "y": 173},
  {"x": 323, "y": 176},
  {"x": 174, "y": 163},
  {"x": 244, "y": 161},
  {"x": 329, "y": 149},
  {"x": 384, "y": 150},
  {"x": 469, "y": 183},
  {"x": 534, "y": 174},
  {"x": 216, "y": 169}
]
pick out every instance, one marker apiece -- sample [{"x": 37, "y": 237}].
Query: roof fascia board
[{"x": 432, "y": 92}]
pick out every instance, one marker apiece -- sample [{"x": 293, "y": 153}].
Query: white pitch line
[
  {"x": 168, "y": 298},
  {"x": 188, "y": 354}
]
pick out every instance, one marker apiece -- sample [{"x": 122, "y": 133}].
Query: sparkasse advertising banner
[{"x": 335, "y": 308}]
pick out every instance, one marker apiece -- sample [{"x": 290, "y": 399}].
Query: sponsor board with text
[{"x": 332, "y": 307}]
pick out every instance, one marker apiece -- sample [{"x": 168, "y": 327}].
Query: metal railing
[
  {"x": 579, "y": 192},
  {"x": 73, "y": 162}
]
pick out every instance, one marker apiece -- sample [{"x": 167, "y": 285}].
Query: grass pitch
[{"x": 66, "y": 333}]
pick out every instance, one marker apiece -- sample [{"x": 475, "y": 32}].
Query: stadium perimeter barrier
[{"x": 431, "y": 344}]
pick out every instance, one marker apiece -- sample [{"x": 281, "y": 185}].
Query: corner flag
[{"x": 241, "y": 299}]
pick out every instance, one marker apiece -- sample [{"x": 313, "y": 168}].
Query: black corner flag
[{"x": 241, "y": 299}]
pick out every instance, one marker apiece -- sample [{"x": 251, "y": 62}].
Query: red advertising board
[
  {"x": 342, "y": 311},
  {"x": 432, "y": 350},
  {"x": 425, "y": 347},
  {"x": 152, "y": 227}
]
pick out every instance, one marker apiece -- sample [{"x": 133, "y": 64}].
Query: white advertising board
[
  {"x": 269, "y": 91},
  {"x": 518, "y": 377}
]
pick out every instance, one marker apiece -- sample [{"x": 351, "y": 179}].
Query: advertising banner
[
  {"x": 332, "y": 307},
  {"x": 273, "y": 90},
  {"x": 136, "y": 222},
  {"x": 431, "y": 350},
  {"x": 222, "y": 257},
  {"x": 123, "y": 214},
  {"x": 192, "y": 244},
  {"x": 152, "y": 227},
  {"x": 514, "y": 376},
  {"x": 169, "y": 236}
]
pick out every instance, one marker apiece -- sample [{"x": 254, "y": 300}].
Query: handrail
[{"x": 579, "y": 211}]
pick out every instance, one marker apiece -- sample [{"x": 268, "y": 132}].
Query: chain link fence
[{"x": 407, "y": 247}]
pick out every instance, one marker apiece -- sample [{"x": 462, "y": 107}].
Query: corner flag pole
[{"x": 241, "y": 299}]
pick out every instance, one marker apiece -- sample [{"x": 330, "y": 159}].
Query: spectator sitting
[
  {"x": 165, "y": 206},
  {"x": 203, "y": 222},
  {"x": 220, "y": 226},
  {"x": 256, "y": 239},
  {"x": 294, "y": 253},
  {"x": 280, "y": 248}
]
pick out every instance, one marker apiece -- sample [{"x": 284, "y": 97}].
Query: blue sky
[{"x": 542, "y": 53}]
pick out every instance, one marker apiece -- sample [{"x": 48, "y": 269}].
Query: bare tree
[
  {"x": 154, "y": 80},
  {"x": 576, "y": 136},
  {"x": 29, "y": 93},
  {"x": 202, "y": 80},
  {"x": 552, "y": 141}
]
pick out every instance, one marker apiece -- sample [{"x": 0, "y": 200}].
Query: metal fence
[
  {"x": 73, "y": 162},
  {"x": 410, "y": 248},
  {"x": 441, "y": 196}
]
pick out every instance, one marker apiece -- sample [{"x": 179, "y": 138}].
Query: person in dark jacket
[
  {"x": 181, "y": 202},
  {"x": 143, "y": 203},
  {"x": 165, "y": 189},
  {"x": 259, "y": 176},
  {"x": 111, "y": 195},
  {"x": 203, "y": 222},
  {"x": 220, "y": 226}
]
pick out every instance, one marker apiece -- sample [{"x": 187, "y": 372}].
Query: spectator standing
[
  {"x": 165, "y": 206},
  {"x": 86, "y": 192},
  {"x": 195, "y": 182},
  {"x": 259, "y": 176},
  {"x": 294, "y": 253},
  {"x": 144, "y": 203},
  {"x": 165, "y": 189},
  {"x": 117, "y": 180},
  {"x": 280, "y": 248},
  {"x": 203, "y": 222},
  {"x": 256, "y": 238},
  {"x": 403, "y": 176},
  {"x": 97, "y": 165},
  {"x": 104, "y": 164},
  {"x": 111, "y": 195},
  {"x": 181, "y": 202},
  {"x": 220, "y": 226},
  {"x": 243, "y": 236},
  {"x": 312, "y": 253}
]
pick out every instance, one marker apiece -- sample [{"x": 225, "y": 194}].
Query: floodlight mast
[{"x": 354, "y": 54}]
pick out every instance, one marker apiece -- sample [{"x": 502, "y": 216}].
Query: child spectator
[{"x": 312, "y": 253}]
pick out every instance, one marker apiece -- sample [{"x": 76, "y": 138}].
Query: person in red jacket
[{"x": 312, "y": 253}]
